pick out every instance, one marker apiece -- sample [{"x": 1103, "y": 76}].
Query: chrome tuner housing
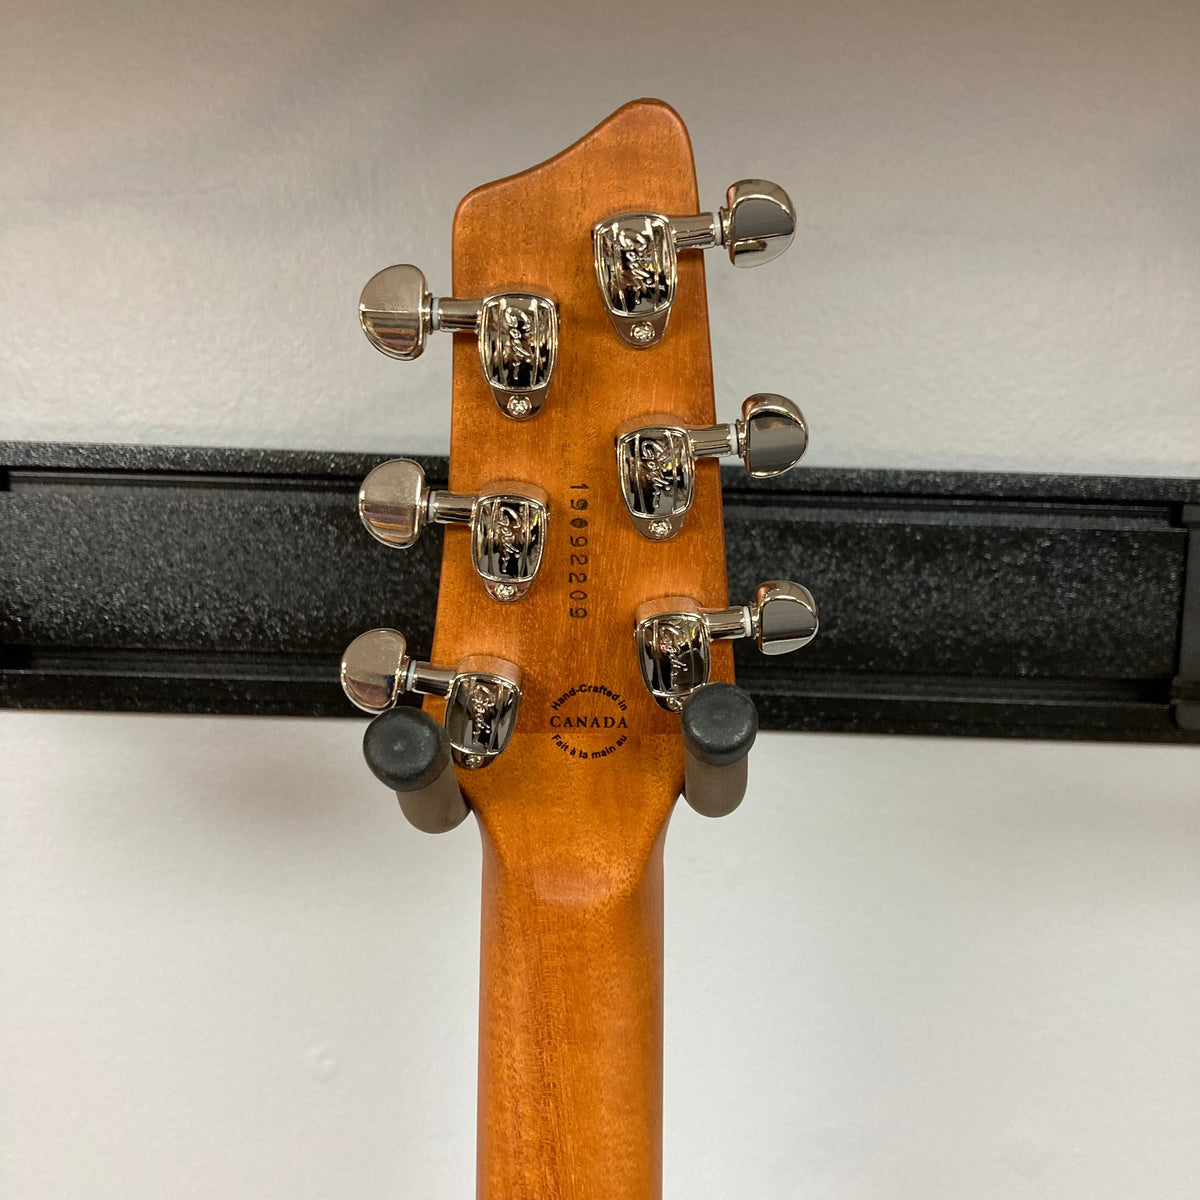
[
  {"x": 516, "y": 332},
  {"x": 674, "y": 635},
  {"x": 508, "y": 522},
  {"x": 656, "y": 468},
  {"x": 673, "y": 649},
  {"x": 656, "y": 463},
  {"x": 508, "y": 539},
  {"x": 481, "y": 709},
  {"x": 637, "y": 272},
  {"x": 483, "y": 693},
  {"x": 518, "y": 347},
  {"x": 635, "y": 252}
]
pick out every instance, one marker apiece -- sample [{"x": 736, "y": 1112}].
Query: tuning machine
[
  {"x": 482, "y": 693},
  {"x": 674, "y": 635},
  {"x": 507, "y": 520},
  {"x": 656, "y": 463},
  {"x": 517, "y": 332},
  {"x": 635, "y": 252}
]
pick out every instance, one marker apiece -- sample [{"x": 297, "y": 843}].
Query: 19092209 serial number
[{"x": 577, "y": 573}]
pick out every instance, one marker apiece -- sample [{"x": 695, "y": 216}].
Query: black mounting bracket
[{"x": 163, "y": 579}]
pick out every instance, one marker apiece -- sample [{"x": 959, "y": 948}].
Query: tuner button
[
  {"x": 410, "y": 752},
  {"x": 758, "y": 222},
  {"x": 508, "y": 526},
  {"x": 394, "y": 311},
  {"x": 635, "y": 253},
  {"x": 392, "y": 502},
  {"x": 785, "y": 617},
  {"x": 719, "y": 724},
  {"x": 374, "y": 668},
  {"x": 773, "y": 435},
  {"x": 516, "y": 332}
]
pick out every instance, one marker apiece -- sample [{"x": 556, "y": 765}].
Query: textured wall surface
[{"x": 905, "y": 970}]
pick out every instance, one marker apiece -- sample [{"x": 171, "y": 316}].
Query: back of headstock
[
  {"x": 576, "y": 352},
  {"x": 573, "y": 631}
]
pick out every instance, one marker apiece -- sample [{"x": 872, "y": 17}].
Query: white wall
[{"x": 906, "y": 970}]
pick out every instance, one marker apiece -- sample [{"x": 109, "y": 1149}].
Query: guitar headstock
[{"x": 578, "y": 612}]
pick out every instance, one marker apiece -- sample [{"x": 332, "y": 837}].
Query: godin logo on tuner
[{"x": 588, "y": 721}]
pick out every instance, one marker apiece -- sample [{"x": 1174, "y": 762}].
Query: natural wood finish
[{"x": 570, "y": 1063}]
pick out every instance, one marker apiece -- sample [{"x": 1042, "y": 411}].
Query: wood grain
[{"x": 573, "y": 818}]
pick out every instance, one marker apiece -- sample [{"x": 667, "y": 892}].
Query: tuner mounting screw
[
  {"x": 519, "y": 407},
  {"x": 642, "y": 332},
  {"x": 504, "y": 591},
  {"x": 659, "y": 529}
]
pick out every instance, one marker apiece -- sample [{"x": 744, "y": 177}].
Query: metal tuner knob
[
  {"x": 635, "y": 252},
  {"x": 482, "y": 693},
  {"x": 674, "y": 635},
  {"x": 517, "y": 332},
  {"x": 656, "y": 457},
  {"x": 507, "y": 521},
  {"x": 719, "y": 724}
]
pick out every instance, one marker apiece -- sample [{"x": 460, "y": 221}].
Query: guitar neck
[{"x": 570, "y": 1056}]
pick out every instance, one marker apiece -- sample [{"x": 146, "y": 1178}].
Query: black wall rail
[{"x": 160, "y": 579}]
